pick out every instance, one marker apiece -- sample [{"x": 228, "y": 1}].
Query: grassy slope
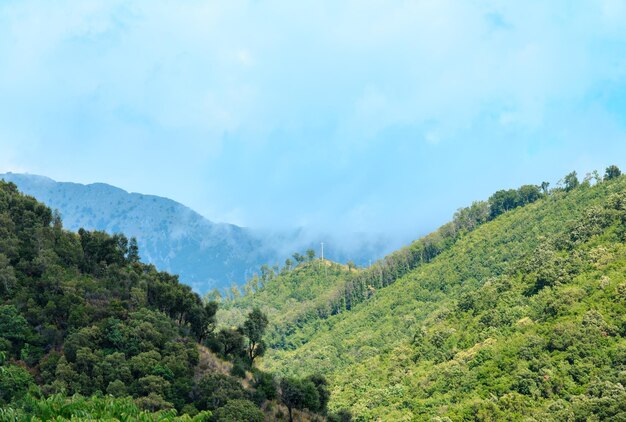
[{"x": 410, "y": 351}]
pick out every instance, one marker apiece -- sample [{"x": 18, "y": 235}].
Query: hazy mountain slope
[
  {"x": 521, "y": 319},
  {"x": 170, "y": 235}
]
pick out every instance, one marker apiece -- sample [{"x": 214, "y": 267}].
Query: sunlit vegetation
[
  {"x": 89, "y": 332},
  {"x": 513, "y": 311}
]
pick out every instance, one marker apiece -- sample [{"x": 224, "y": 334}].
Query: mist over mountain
[
  {"x": 176, "y": 239},
  {"x": 171, "y": 236}
]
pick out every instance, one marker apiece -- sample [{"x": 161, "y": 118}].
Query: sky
[{"x": 375, "y": 117}]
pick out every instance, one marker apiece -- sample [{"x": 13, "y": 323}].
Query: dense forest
[
  {"x": 88, "y": 332},
  {"x": 512, "y": 311},
  {"x": 515, "y": 310}
]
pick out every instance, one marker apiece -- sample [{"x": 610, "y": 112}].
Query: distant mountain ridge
[{"x": 170, "y": 235}]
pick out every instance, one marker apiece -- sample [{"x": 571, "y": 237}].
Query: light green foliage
[
  {"x": 77, "y": 408},
  {"x": 14, "y": 383},
  {"x": 519, "y": 318},
  {"x": 291, "y": 296},
  {"x": 570, "y": 181},
  {"x": 517, "y": 314}
]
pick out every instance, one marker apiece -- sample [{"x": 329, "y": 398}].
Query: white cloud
[{"x": 237, "y": 99}]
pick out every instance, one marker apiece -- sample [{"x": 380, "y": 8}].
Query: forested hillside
[
  {"x": 89, "y": 332},
  {"x": 513, "y": 311},
  {"x": 176, "y": 239}
]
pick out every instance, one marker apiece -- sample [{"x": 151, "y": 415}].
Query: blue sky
[{"x": 341, "y": 116}]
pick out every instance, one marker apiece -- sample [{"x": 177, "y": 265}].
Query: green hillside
[
  {"x": 88, "y": 332},
  {"x": 517, "y": 317},
  {"x": 513, "y": 311},
  {"x": 288, "y": 297}
]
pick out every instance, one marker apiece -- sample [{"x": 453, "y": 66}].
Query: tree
[
  {"x": 527, "y": 194},
  {"x": 13, "y": 327},
  {"x": 310, "y": 254},
  {"x": 133, "y": 251},
  {"x": 7, "y": 275},
  {"x": 612, "y": 172},
  {"x": 117, "y": 389},
  {"x": 571, "y": 181},
  {"x": 544, "y": 187},
  {"x": 298, "y": 394},
  {"x": 288, "y": 264},
  {"x": 14, "y": 383},
  {"x": 342, "y": 415},
  {"x": 469, "y": 218},
  {"x": 265, "y": 384},
  {"x": 254, "y": 328},
  {"x": 502, "y": 201},
  {"x": 202, "y": 319},
  {"x": 234, "y": 290},
  {"x": 238, "y": 410},
  {"x": 152, "y": 384},
  {"x": 214, "y": 390},
  {"x": 213, "y": 296},
  {"x": 230, "y": 342},
  {"x": 57, "y": 221},
  {"x": 298, "y": 258},
  {"x": 266, "y": 274},
  {"x": 321, "y": 385}
]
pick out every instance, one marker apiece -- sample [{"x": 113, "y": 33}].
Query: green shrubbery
[
  {"x": 89, "y": 332},
  {"x": 512, "y": 315}
]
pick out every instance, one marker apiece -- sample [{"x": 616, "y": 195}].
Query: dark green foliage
[
  {"x": 238, "y": 410},
  {"x": 133, "y": 251},
  {"x": 321, "y": 385},
  {"x": 502, "y": 201},
  {"x": 15, "y": 382},
  {"x": 215, "y": 390},
  {"x": 229, "y": 342},
  {"x": 101, "y": 250},
  {"x": 238, "y": 370},
  {"x": 265, "y": 384},
  {"x": 80, "y": 314},
  {"x": 506, "y": 200},
  {"x": 202, "y": 319},
  {"x": 14, "y": 329},
  {"x": 254, "y": 328},
  {"x": 299, "y": 394},
  {"x": 612, "y": 172},
  {"x": 342, "y": 415},
  {"x": 570, "y": 181}
]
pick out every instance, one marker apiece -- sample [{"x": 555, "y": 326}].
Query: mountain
[
  {"x": 174, "y": 238},
  {"x": 513, "y": 311},
  {"x": 89, "y": 332},
  {"x": 205, "y": 255}
]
